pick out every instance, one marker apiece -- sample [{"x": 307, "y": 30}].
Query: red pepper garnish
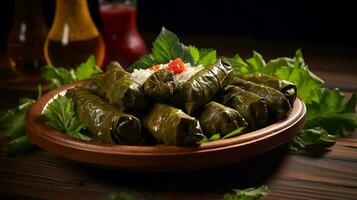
[{"x": 176, "y": 66}]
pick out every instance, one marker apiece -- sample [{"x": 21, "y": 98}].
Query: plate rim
[{"x": 61, "y": 144}]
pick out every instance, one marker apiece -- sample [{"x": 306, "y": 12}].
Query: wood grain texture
[{"x": 42, "y": 175}]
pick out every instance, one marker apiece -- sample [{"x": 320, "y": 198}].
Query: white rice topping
[{"x": 140, "y": 75}]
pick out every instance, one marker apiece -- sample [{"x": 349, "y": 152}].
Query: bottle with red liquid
[{"x": 122, "y": 40}]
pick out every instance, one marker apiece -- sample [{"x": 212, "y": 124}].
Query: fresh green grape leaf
[
  {"x": 195, "y": 53},
  {"x": 144, "y": 62},
  {"x": 291, "y": 69},
  {"x": 207, "y": 57},
  {"x": 247, "y": 194},
  {"x": 58, "y": 76},
  {"x": 296, "y": 71},
  {"x": 162, "y": 47},
  {"x": 18, "y": 146},
  {"x": 327, "y": 112},
  {"x": 273, "y": 65},
  {"x": 12, "y": 121},
  {"x": 332, "y": 113},
  {"x": 87, "y": 69},
  {"x": 168, "y": 47},
  {"x": 60, "y": 115},
  {"x": 239, "y": 65},
  {"x": 256, "y": 62},
  {"x": 308, "y": 138}
]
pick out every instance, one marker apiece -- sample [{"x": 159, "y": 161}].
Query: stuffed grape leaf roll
[
  {"x": 217, "y": 118},
  {"x": 105, "y": 122},
  {"x": 252, "y": 107},
  {"x": 160, "y": 85},
  {"x": 202, "y": 86},
  {"x": 278, "y": 105},
  {"x": 119, "y": 88},
  {"x": 171, "y": 126},
  {"x": 284, "y": 86}
]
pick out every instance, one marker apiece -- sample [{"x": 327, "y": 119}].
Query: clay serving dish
[{"x": 161, "y": 158}]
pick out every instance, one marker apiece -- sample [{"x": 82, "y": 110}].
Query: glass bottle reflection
[
  {"x": 73, "y": 36},
  {"x": 26, "y": 39}
]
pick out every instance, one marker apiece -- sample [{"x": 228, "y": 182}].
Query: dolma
[
  {"x": 119, "y": 88},
  {"x": 160, "y": 85},
  {"x": 171, "y": 126},
  {"x": 284, "y": 86},
  {"x": 202, "y": 86},
  {"x": 252, "y": 107},
  {"x": 105, "y": 122},
  {"x": 217, "y": 118},
  {"x": 278, "y": 105}
]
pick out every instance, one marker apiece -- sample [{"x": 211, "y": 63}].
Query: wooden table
[{"x": 327, "y": 175}]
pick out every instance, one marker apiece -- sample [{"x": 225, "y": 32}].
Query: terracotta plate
[{"x": 152, "y": 158}]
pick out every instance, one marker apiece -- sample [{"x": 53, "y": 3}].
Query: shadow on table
[{"x": 251, "y": 173}]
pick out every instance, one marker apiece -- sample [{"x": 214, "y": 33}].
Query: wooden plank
[{"x": 44, "y": 175}]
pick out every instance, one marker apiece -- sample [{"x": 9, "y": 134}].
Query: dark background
[
  {"x": 318, "y": 22},
  {"x": 304, "y": 20}
]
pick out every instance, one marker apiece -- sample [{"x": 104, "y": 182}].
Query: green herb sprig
[
  {"x": 12, "y": 121},
  {"x": 247, "y": 194},
  {"x": 60, "y": 115},
  {"x": 168, "y": 47}
]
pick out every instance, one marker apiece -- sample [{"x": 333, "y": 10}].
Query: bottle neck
[
  {"x": 28, "y": 21},
  {"x": 119, "y": 17},
  {"x": 73, "y": 11},
  {"x": 72, "y": 18}
]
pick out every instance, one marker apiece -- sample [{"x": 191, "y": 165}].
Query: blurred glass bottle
[
  {"x": 73, "y": 36},
  {"x": 26, "y": 39},
  {"x": 122, "y": 39}
]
